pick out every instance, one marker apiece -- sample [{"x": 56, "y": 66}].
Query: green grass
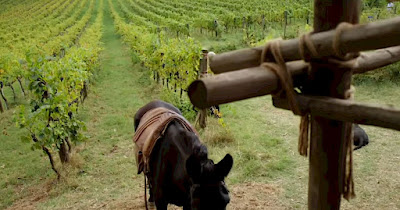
[
  {"x": 376, "y": 167},
  {"x": 20, "y": 167}
]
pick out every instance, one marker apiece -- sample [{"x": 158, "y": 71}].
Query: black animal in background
[{"x": 360, "y": 137}]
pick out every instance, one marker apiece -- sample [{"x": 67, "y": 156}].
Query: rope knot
[
  {"x": 278, "y": 66},
  {"x": 308, "y": 51}
]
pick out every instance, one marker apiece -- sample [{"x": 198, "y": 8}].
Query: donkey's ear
[
  {"x": 224, "y": 166},
  {"x": 193, "y": 167}
]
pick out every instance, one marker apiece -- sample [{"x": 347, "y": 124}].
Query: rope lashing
[
  {"x": 306, "y": 42},
  {"x": 348, "y": 187},
  {"x": 280, "y": 69},
  {"x": 349, "y": 61},
  {"x": 308, "y": 51},
  {"x": 337, "y": 48}
]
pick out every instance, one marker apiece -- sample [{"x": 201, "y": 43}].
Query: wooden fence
[{"x": 324, "y": 87}]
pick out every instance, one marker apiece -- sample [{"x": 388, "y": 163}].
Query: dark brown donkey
[{"x": 178, "y": 168}]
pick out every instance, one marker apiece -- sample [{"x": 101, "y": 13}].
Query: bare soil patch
[
  {"x": 243, "y": 196},
  {"x": 32, "y": 196}
]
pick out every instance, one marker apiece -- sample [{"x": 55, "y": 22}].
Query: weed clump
[{"x": 216, "y": 133}]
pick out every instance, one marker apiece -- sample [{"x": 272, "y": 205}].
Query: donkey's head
[{"x": 208, "y": 189}]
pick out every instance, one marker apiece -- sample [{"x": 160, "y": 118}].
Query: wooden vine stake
[
  {"x": 1, "y": 107},
  {"x": 202, "y": 116},
  {"x": 328, "y": 146},
  {"x": 285, "y": 14}
]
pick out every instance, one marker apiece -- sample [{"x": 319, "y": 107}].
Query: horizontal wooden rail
[
  {"x": 345, "y": 110},
  {"x": 371, "y": 36},
  {"x": 377, "y": 59},
  {"x": 258, "y": 81},
  {"x": 234, "y": 86}
]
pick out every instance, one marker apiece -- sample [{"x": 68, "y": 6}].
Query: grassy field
[{"x": 268, "y": 172}]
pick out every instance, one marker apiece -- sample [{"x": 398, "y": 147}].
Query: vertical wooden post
[
  {"x": 284, "y": 27},
  {"x": 161, "y": 67},
  {"x": 1, "y": 107},
  {"x": 204, "y": 64},
  {"x": 216, "y": 28},
  {"x": 202, "y": 116},
  {"x": 263, "y": 24},
  {"x": 327, "y": 143}
]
